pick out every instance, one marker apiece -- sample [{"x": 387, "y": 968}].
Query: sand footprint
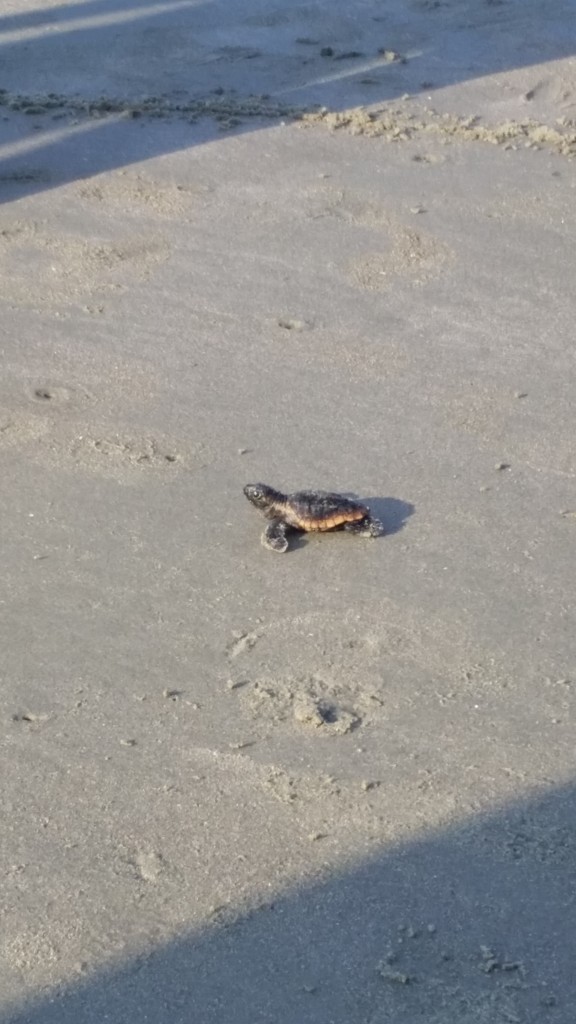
[
  {"x": 357, "y": 669},
  {"x": 411, "y": 255},
  {"x": 405, "y": 253},
  {"x": 41, "y": 267},
  {"x": 137, "y": 191}
]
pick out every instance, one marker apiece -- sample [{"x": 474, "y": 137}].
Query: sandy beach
[{"x": 319, "y": 245}]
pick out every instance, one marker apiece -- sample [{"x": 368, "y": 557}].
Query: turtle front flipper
[
  {"x": 274, "y": 536},
  {"x": 367, "y": 527}
]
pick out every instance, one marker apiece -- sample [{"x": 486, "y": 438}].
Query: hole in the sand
[{"x": 328, "y": 712}]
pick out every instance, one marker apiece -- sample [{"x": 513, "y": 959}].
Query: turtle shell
[{"x": 318, "y": 511}]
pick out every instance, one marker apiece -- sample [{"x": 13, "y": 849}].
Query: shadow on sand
[
  {"x": 471, "y": 925},
  {"x": 393, "y": 513},
  {"x": 100, "y": 85}
]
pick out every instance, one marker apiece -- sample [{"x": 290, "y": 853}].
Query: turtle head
[{"x": 262, "y": 496}]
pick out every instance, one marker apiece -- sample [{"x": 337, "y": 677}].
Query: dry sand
[{"x": 322, "y": 245}]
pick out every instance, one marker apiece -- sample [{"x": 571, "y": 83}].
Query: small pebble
[
  {"x": 392, "y": 57},
  {"x": 367, "y": 786},
  {"x": 308, "y": 712},
  {"x": 520, "y": 394},
  {"x": 30, "y": 717},
  {"x": 502, "y": 465},
  {"x": 235, "y": 684},
  {"x": 396, "y": 976},
  {"x": 128, "y": 743}
]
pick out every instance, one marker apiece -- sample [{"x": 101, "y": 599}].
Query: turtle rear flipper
[
  {"x": 274, "y": 535},
  {"x": 367, "y": 527}
]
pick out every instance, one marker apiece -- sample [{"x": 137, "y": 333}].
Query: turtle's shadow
[{"x": 393, "y": 513}]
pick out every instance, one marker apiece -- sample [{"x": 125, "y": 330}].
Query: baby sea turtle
[{"x": 310, "y": 512}]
